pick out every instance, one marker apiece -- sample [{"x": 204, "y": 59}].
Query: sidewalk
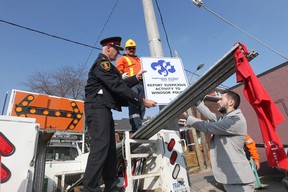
[{"x": 203, "y": 181}]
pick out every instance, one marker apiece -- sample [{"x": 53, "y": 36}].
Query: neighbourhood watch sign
[{"x": 164, "y": 80}]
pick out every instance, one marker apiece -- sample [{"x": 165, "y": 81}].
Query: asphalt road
[{"x": 203, "y": 181}]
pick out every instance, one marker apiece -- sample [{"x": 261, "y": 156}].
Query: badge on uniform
[{"x": 105, "y": 65}]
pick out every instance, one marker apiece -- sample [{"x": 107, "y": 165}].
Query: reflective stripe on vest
[
  {"x": 249, "y": 141},
  {"x": 133, "y": 116},
  {"x": 131, "y": 69}
]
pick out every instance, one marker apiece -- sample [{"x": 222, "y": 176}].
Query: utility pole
[
  {"x": 155, "y": 44},
  {"x": 152, "y": 29}
]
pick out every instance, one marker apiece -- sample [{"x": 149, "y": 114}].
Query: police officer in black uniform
[{"x": 106, "y": 90}]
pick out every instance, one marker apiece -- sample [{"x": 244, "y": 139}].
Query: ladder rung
[
  {"x": 136, "y": 177},
  {"x": 143, "y": 155},
  {"x": 141, "y": 141}
]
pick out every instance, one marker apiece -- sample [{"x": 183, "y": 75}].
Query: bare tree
[{"x": 67, "y": 81}]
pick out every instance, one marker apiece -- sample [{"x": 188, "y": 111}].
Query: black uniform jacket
[{"x": 116, "y": 92}]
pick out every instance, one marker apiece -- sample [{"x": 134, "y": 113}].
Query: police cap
[{"x": 113, "y": 41}]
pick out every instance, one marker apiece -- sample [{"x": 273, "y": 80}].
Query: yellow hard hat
[{"x": 130, "y": 43}]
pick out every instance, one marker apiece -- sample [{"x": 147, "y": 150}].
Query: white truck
[
  {"x": 25, "y": 137},
  {"x": 34, "y": 159},
  {"x": 18, "y": 152},
  {"x": 19, "y": 138},
  {"x": 155, "y": 164},
  {"x": 159, "y": 161}
]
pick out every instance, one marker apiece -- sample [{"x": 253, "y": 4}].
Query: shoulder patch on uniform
[{"x": 105, "y": 65}]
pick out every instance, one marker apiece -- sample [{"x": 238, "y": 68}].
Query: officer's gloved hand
[{"x": 125, "y": 75}]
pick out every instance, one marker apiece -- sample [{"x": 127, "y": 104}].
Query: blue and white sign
[{"x": 164, "y": 80}]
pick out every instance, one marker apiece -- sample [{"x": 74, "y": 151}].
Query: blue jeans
[{"x": 137, "y": 112}]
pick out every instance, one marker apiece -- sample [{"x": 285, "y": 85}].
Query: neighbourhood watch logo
[{"x": 163, "y": 67}]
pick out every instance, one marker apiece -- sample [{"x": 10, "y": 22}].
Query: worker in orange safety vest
[
  {"x": 253, "y": 156},
  {"x": 129, "y": 64},
  {"x": 251, "y": 150}
]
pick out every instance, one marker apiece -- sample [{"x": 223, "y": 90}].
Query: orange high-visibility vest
[
  {"x": 251, "y": 146},
  {"x": 128, "y": 64}
]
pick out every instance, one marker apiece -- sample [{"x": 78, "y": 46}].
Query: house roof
[
  {"x": 122, "y": 125},
  {"x": 264, "y": 73}
]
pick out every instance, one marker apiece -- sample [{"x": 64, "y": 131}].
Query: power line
[
  {"x": 194, "y": 73},
  {"x": 162, "y": 22},
  {"x": 102, "y": 30},
  {"x": 50, "y": 35},
  {"x": 64, "y": 39},
  {"x": 68, "y": 40},
  {"x": 167, "y": 39},
  {"x": 199, "y": 3}
]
